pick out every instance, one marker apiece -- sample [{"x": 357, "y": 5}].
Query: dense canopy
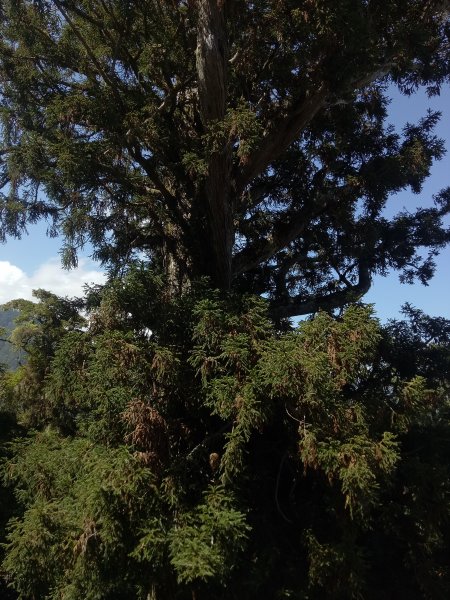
[
  {"x": 245, "y": 141},
  {"x": 171, "y": 435}
]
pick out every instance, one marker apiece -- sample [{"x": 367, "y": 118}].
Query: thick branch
[
  {"x": 296, "y": 306},
  {"x": 285, "y": 231},
  {"x": 211, "y": 61},
  {"x": 288, "y": 128},
  {"x": 170, "y": 200},
  {"x": 284, "y": 132}
]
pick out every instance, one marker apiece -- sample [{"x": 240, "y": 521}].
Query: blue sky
[
  {"x": 33, "y": 261},
  {"x": 387, "y": 293}
]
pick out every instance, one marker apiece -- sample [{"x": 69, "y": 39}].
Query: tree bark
[
  {"x": 297, "y": 306},
  {"x": 211, "y": 71}
]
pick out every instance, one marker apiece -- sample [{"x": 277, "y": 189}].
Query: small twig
[
  {"x": 292, "y": 416},
  {"x": 302, "y": 421}
]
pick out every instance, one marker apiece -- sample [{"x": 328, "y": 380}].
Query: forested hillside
[{"x": 9, "y": 356}]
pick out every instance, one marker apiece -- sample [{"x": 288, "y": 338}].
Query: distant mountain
[{"x": 8, "y": 355}]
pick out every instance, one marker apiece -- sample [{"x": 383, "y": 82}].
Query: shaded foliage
[
  {"x": 217, "y": 456},
  {"x": 183, "y": 442}
]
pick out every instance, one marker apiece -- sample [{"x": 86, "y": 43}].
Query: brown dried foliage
[{"x": 148, "y": 433}]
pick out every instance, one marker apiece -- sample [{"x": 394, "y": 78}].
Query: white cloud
[{"x": 15, "y": 283}]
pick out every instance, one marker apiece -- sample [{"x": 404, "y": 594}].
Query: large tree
[
  {"x": 245, "y": 141},
  {"x": 230, "y": 162}
]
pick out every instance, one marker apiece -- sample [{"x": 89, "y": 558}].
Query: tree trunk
[{"x": 211, "y": 71}]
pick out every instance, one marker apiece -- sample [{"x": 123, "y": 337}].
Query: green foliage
[
  {"x": 208, "y": 542},
  {"x": 339, "y": 567},
  {"x": 39, "y": 328},
  {"x": 183, "y": 442},
  {"x": 9, "y": 429},
  {"x": 87, "y": 502},
  {"x": 228, "y": 346},
  {"x": 107, "y": 134},
  {"x": 218, "y": 456}
]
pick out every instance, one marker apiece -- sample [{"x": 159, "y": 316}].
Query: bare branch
[{"x": 170, "y": 200}]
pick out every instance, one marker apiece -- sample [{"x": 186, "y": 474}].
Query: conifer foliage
[
  {"x": 176, "y": 437},
  {"x": 243, "y": 141},
  {"x": 220, "y": 458}
]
